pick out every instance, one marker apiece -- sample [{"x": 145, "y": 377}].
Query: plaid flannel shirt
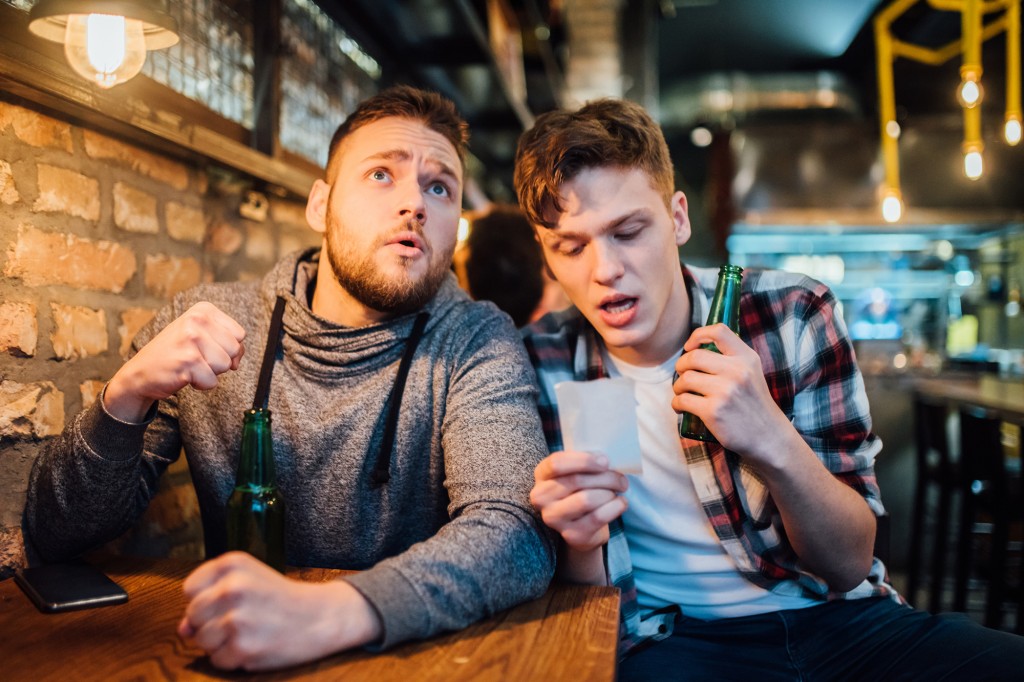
[{"x": 792, "y": 323}]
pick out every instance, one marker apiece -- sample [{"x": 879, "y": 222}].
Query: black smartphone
[{"x": 54, "y": 588}]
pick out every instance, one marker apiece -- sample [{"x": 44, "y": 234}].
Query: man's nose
[
  {"x": 607, "y": 263},
  {"x": 412, "y": 203}
]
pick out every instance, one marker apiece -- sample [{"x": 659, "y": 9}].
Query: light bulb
[
  {"x": 892, "y": 207},
  {"x": 104, "y": 48},
  {"x": 970, "y": 93},
  {"x": 972, "y": 164},
  {"x": 1011, "y": 131}
]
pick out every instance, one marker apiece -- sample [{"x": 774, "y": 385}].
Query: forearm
[
  {"x": 489, "y": 558},
  {"x": 76, "y": 498},
  {"x": 828, "y": 524},
  {"x": 88, "y": 485},
  {"x": 581, "y": 567}
]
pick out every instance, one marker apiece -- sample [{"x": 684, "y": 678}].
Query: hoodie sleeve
[
  {"x": 94, "y": 481},
  {"x": 495, "y": 552}
]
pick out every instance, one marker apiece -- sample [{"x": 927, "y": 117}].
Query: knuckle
[
  {"x": 536, "y": 499},
  {"x": 572, "y": 536}
]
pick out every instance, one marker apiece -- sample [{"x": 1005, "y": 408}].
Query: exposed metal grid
[
  {"x": 324, "y": 74},
  {"x": 213, "y": 61}
]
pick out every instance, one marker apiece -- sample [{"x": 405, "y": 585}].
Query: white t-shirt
[{"x": 677, "y": 558}]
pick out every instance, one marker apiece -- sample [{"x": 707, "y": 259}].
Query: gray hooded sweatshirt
[{"x": 451, "y": 536}]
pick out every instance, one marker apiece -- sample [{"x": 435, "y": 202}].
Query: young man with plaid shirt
[{"x": 750, "y": 558}]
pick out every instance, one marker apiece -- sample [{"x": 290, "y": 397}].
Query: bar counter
[{"x": 1004, "y": 396}]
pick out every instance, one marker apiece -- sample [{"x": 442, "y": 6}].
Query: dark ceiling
[
  {"x": 761, "y": 47},
  {"x": 803, "y": 37},
  {"x": 800, "y": 153},
  {"x": 697, "y": 36}
]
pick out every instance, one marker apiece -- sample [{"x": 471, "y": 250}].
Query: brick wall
[{"x": 95, "y": 235}]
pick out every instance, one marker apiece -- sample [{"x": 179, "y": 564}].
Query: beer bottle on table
[
  {"x": 255, "y": 510},
  {"x": 725, "y": 308}
]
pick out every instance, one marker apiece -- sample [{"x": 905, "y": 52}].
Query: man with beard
[{"x": 405, "y": 423}]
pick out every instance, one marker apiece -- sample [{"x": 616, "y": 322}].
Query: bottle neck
[
  {"x": 725, "y": 306},
  {"x": 256, "y": 461}
]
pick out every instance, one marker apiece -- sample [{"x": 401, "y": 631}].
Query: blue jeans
[{"x": 861, "y": 639}]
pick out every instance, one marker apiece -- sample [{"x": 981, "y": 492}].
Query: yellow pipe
[
  {"x": 971, "y": 37},
  {"x": 941, "y": 55},
  {"x": 887, "y": 97},
  {"x": 933, "y": 57},
  {"x": 987, "y": 6},
  {"x": 971, "y": 69},
  {"x": 1012, "y": 17}
]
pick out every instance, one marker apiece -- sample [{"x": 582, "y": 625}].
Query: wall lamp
[
  {"x": 970, "y": 93},
  {"x": 105, "y": 41}
]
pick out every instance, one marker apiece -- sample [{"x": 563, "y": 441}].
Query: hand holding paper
[{"x": 600, "y": 417}]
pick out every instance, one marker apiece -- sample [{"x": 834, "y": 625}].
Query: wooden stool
[{"x": 988, "y": 491}]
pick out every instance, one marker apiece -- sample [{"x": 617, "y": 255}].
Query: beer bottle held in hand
[
  {"x": 255, "y": 511},
  {"x": 725, "y": 308}
]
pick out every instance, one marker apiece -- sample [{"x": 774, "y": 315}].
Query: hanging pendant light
[
  {"x": 105, "y": 41},
  {"x": 974, "y": 30}
]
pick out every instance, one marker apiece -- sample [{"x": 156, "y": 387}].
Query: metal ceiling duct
[{"x": 734, "y": 97}]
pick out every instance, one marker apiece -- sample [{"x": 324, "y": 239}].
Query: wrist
[
  {"x": 122, "y": 403},
  {"x": 584, "y": 566},
  {"x": 783, "y": 459},
  {"x": 356, "y": 621}
]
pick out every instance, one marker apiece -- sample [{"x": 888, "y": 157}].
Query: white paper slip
[{"x": 600, "y": 416}]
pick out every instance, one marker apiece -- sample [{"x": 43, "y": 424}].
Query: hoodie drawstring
[{"x": 382, "y": 467}]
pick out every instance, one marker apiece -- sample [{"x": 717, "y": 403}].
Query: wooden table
[{"x": 568, "y": 634}]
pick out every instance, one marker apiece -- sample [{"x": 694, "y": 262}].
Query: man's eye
[
  {"x": 439, "y": 189},
  {"x": 379, "y": 176},
  {"x": 570, "y": 249},
  {"x": 626, "y": 236}
]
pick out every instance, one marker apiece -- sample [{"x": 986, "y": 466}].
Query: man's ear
[
  {"x": 680, "y": 218},
  {"x": 316, "y": 205}
]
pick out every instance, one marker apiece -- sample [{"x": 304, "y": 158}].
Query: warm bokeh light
[
  {"x": 700, "y": 136},
  {"x": 972, "y": 164},
  {"x": 1012, "y": 130},
  {"x": 892, "y": 207},
  {"x": 969, "y": 94}
]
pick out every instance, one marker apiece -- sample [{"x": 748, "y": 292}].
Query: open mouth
[
  {"x": 618, "y": 305},
  {"x": 409, "y": 240}
]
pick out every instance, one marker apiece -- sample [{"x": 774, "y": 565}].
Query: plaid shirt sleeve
[{"x": 794, "y": 325}]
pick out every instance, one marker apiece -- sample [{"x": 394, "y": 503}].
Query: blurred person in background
[{"x": 502, "y": 262}]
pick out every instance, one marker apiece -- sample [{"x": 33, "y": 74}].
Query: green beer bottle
[
  {"x": 255, "y": 512},
  {"x": 725, "y": 308}
]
